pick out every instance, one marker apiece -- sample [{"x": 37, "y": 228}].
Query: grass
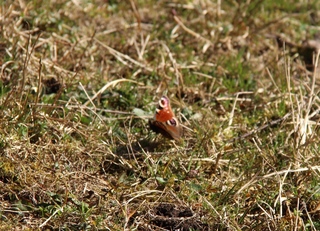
[{"x": 79, "y": 80}]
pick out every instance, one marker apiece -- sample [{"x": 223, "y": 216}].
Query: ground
[{"x": 80, "y": 82}]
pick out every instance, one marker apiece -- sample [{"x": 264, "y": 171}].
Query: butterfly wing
[
  {"x": 169, "y": 129},
  {"x": 164, "y": 121},
  {"x": 164, "y": 111}
]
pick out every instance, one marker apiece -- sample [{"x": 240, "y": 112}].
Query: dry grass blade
[
  {"x": 105, "y": 87},
  {"x": 80, "y": 79},
  {"x": 124, "y": 58},
  {"x": 207, "y": 44}
]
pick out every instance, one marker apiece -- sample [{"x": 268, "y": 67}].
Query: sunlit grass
[{"x": 79, "y": 81}]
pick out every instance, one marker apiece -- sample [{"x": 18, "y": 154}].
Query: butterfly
[{"x": 165, "y": 122}]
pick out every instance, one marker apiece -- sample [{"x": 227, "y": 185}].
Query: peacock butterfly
[{"x": 165, "y": 122}]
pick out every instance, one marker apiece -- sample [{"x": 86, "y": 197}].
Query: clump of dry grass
[{"x": 74, "y": 154}]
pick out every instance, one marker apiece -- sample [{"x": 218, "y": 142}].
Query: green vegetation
[{"x": 80, "y": 79}]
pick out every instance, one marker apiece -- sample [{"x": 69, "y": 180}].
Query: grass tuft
[{"x": 80, "y": 80}]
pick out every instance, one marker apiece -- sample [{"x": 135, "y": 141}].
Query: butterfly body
[{"x": 165, "y": 122}]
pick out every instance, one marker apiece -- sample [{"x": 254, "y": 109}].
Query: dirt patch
[{"x": 168, "y": 216}]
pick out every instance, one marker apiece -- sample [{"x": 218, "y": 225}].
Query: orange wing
[
  {"x": 164, "y": 111},
  {"x": 164, "y": 121}
]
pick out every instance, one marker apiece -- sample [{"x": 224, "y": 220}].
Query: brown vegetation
[{"x": 80, "y": 79}]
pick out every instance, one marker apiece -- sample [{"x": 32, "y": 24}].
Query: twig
[
  {"x": 26, "y": 61},
  {"x": 39, "y": 81}
]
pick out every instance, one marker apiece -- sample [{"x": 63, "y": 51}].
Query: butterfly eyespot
[
  {"x": 164, "y": 121},
  {"x": 162, "y": 103},
  {"x": 172, "y": 122}
]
